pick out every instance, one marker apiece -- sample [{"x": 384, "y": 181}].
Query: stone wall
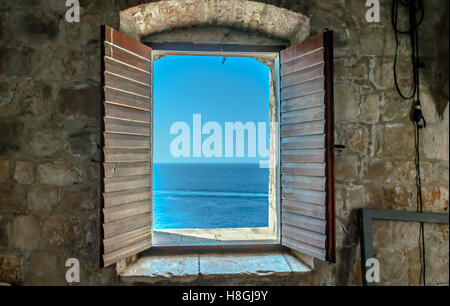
[{"x": 50, "y": 131}]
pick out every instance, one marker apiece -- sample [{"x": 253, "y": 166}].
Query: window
[
  {"x": 211, "y": 151},
  {"x": 305, "y": 176}
]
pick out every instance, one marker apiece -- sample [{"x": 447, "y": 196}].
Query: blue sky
[{"x": 237, "y": 90}]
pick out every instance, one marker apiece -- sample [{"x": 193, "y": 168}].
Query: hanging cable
[{"x": 416, "y": 12}]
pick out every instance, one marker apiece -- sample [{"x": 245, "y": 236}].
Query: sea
[{"x": 210, "y": 195}]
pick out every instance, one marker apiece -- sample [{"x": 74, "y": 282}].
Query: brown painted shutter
[
  {"x": 127, "y": 144},
  {"x": 307, "y": 148}
]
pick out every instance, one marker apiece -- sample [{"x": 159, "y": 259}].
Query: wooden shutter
[
  {"x": 127, "y": 144},
  {"x": 307, "y": 148}
]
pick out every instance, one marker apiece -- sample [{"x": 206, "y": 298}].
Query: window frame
[
  {"x": 125, "y": 215},
  {"x": 229, "y": 237}
]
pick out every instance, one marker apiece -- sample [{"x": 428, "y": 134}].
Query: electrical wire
[
  {"x": 416, "y": 12},
  {"x": 420, "y": 205},
  {"x": 413, "y": 32}
]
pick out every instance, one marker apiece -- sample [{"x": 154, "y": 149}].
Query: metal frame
[{"x": 368, "y": 215}]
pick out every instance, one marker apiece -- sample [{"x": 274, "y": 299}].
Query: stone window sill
[{"x": 188, "y": 267}]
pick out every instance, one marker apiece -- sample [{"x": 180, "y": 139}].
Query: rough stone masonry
[{"x": 50, "y": 132}]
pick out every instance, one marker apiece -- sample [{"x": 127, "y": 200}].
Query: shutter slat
[
  {"x": 126, "y": 239},
  {"x": 303, "y": 63},
  {"x": 303, "y": 156},
  {"x": 305, "y": 209},
  {"x": 126, "y": 113},
  {"x": 126, "y": 155},
  {"x": 121, "y": 226},
  {"x": 303, "y": 129},
  {"x": 127, "y": 146},
  {"x": 303, "y": 195},
  {"x": 127, "y": 99},
  {"x": 126, "y": 169},
  {"x": 308, "y": 101},
  {"x": 303, "y": 142},
  {"x": 118, "y": 126},
  {"x": 303, "y": 182},
  {"x": 127, "y": 182},
  {"x": 127, "y": 141},
  {"x": 127, "y": 196},
  {"x": 301, "y": 49},
  {"x": 119, "y": 82},
  {"x": 311, "y": 238},
  {"x": 127, "y": 210},
  {"x": 303, "y": 89},
  {"x": 127, "y": 71},
  {"x": 319, "y": 253},
  {"x": 306, "y": 115},
  {"x": 308, "y": 74},
  {"x": 127, "y": 251},
  {"x": 118, "y": 39},
  {"x": 307, "y": 148},
  {"x": 303, "y": 169},
  {"x": 305, "y": 222},
  {"x": 128, "y": 57}
]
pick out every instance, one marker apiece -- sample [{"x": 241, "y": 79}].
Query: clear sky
[{"x": 236, "y": 90}]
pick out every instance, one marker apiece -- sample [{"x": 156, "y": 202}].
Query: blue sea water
[{"x": 210, "y": 196}]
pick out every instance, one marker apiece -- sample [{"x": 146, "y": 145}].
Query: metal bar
[
  {"x": 366, "y": 243},
  {"x": 368, "y": 215},
  {"x": 184, "y": 46},
  {"x": 377, "y": 214}
]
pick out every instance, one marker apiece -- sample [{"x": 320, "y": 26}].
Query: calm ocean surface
[{"x": 210, "y": 196}]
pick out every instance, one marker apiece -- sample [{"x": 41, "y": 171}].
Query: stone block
[
  {"x": 393, "y": 108},
  {"x": 406, "y": 235},
  {"x": 355, "y": 197},
  {"x": 43, "y": 269},
  {"x": 355, "y": 138},
  {"x": 378, "y": 171},
  {"x": 161, "y": 267},
  {"x": 82, "y": 199},
  {"x": 46, "y": 142},
  {"x": 5, "y": 231},
  {"x": 395, "y": 141},
  {"x": 13, "y": 198},
  {"x": 11, "y": 269},
  {"x": 58, "y": 173},
  {"x": 243, "y": 264},
  {"x": 390, "y": 197},
  {"x": 74, "y": 103},
  {"x": 346, "y": 167},
  {"x": 24, "y": 172},
  {"x": 393, "y": 266},
  {"x": 404, "y": 172},
  {"x": 9, "y": 137},
  {"x": 437, "y": 261},
  {"x": 414, "y": 268},
  {"x": 63, "y": 231},
  {"x": 42, "y": 199},
  {"x": 4, "y": 171},
  {"x": 435, "y": 142},
  {"x": 346, "y": 102},
  {"x": 382, "y": 234},
  {"x": 26, "y": 232},
  {"x": 370, "y": 112},
  {"x": 435, "y": 199}
]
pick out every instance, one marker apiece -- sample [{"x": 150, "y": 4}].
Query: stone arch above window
[{"x": 161, "y": 16}]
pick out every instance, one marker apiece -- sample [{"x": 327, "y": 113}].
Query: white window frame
[{"x": 232, "y": 236}]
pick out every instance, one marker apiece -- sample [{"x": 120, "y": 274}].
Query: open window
[
  {"x": 213, "y": 183},
  {"x": 304, "y": 173}
]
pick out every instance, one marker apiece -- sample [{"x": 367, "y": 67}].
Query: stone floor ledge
[{"x": 186, "y": 268}]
